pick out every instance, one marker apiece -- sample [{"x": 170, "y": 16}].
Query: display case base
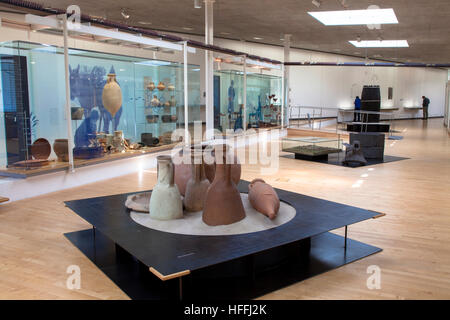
[
  {"x": 244, "y": 278},
  {"x": 218, "y": 266}
]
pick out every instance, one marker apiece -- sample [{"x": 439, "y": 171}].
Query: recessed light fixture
[
  {"x": 144, "y": 22},
  {"x": 187, "y": 28},
  {"x": 380, "y": 44},
  {"x": 225, "y": 33},
  {"x": 124, "y": 14},
  {"x": 355, "y": 17},
  {"x": 317, "y": 3},
  {"x": 257, "y": 38}
]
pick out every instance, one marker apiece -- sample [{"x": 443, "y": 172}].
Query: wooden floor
[{"x": 415, "y": 233}]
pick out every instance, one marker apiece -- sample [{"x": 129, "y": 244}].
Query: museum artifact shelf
[
  {"x": 303, "y": 245},
  {"x": 56, "y": 166}
]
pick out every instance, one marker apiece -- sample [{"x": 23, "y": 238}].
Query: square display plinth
[{"x": 303, "y": 246}]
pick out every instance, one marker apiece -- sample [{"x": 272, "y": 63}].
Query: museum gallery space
[{"x": 224, "y": 150}]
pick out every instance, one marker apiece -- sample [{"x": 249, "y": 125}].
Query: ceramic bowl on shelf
[
  {"x": 41, "y": 149},
  {"x": 152, "y": 118}
]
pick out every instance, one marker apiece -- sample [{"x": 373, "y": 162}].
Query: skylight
[
  {"x": 380, "y": 43},
  {"x": 355, "y": 17}
]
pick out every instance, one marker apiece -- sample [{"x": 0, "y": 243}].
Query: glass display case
[
  {"x": 311, "y": 148},
  {"x": 263, "y": 100},
  {"x": 119, "y": 104}
]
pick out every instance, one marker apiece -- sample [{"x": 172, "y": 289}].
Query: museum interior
[{"x": 224, "y": 150}]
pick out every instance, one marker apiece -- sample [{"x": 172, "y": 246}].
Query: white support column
[
  {"x": 244, "y": 100},
  {"x": 67, "y": 84},
  {"x": 209, "y": 69},
  {"x": 186, "y": 97},
  {"x": 286, "y": 89},
  {"x": 283, "y": 96}
]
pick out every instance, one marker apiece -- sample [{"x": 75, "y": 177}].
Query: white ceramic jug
[{"x": 165, "y": 202}]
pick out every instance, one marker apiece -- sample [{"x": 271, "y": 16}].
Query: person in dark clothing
[
  {"x": 357, "y": 114},
  {"x": 425, "y": 104}
]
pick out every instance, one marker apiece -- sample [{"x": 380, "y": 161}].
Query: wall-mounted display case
[{"x": 136, "y": 112}]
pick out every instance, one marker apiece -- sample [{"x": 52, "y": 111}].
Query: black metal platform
[{"x": 302, "y": 245}]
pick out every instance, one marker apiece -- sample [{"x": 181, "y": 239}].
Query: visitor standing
[
  {"x": 357, "y": 114},
  {"x": 425, "y": 104}
]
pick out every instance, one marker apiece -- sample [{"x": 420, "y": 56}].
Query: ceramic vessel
[
  {"x": 235, "y": 168},
  {"x": 151, "y": 86},
  {"x": 77, "y": 113},
  {"x": 61, "y": 148},
  {"x": 118, "y": 141},
  {"x": 223, "y": 204},
  {"x": 183, "y": 173},
  {"x": 112, "y": 95},
  {"x": 197, "y": 186},
  {"x": 152, "y": 118},
  {"x": 41, "y": 149},
  {"x": 171, "y": 87},
  {"x": 173, "y": 102},
  {"x": 263, "y": 198},
  {"x": 155, "y": 101},
  {"x": 165, "y": 202},
  {"x": 161, "y": 86}
]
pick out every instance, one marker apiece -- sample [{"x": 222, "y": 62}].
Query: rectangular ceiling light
[
  {"x": 380, "y": 43},
  {"x": 355, "y": 17}
]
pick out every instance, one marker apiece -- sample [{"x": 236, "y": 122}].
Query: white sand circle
[{"x": 192, "y": 223}]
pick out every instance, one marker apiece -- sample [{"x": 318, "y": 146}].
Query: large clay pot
[
  {"x": 223, "y": 204},
  {"x": 263, "y": 198},
  {"x": 165, "y": 202},
  {"x": 197, "y": 185},
  {"x": 41, "y": 149},
  {"x": 61, "y": 148},
  {"x": 112, "y": 95},
  {"x": 235, "y": 169}
]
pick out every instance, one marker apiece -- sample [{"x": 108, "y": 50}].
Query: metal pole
[
  {"x": 67, "y": 83},
  {"x": 186, "y": 114},
  {"x": 244, "y": 100},
  {"x": 283, "y": 96},
  {"x": 209, "y": 69}
]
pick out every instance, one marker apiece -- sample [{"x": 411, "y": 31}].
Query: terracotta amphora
[
  {"x": 165, "y": 202},
  {"x": 197, "y": 186},
  {"x": 263, "y": 198},
  {"x": 112, "y": 95},
  {"x": 223, "y": 204}
]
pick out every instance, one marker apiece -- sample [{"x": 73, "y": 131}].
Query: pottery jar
[
  {"x": 41, "y": 149},
  {"x": 161, "y": 86},
  {"x": 235, "y": 166},
  {"x": 112, "y": 95},
  {"x": 165, "y": 202},
  {"x": 263, "y": 198},
  {"x": 197, "y": 186},
  {"x": 151, "y": 86},
  {"x": 61, "y": 148},
  {"x": 223, "y": 204}
]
